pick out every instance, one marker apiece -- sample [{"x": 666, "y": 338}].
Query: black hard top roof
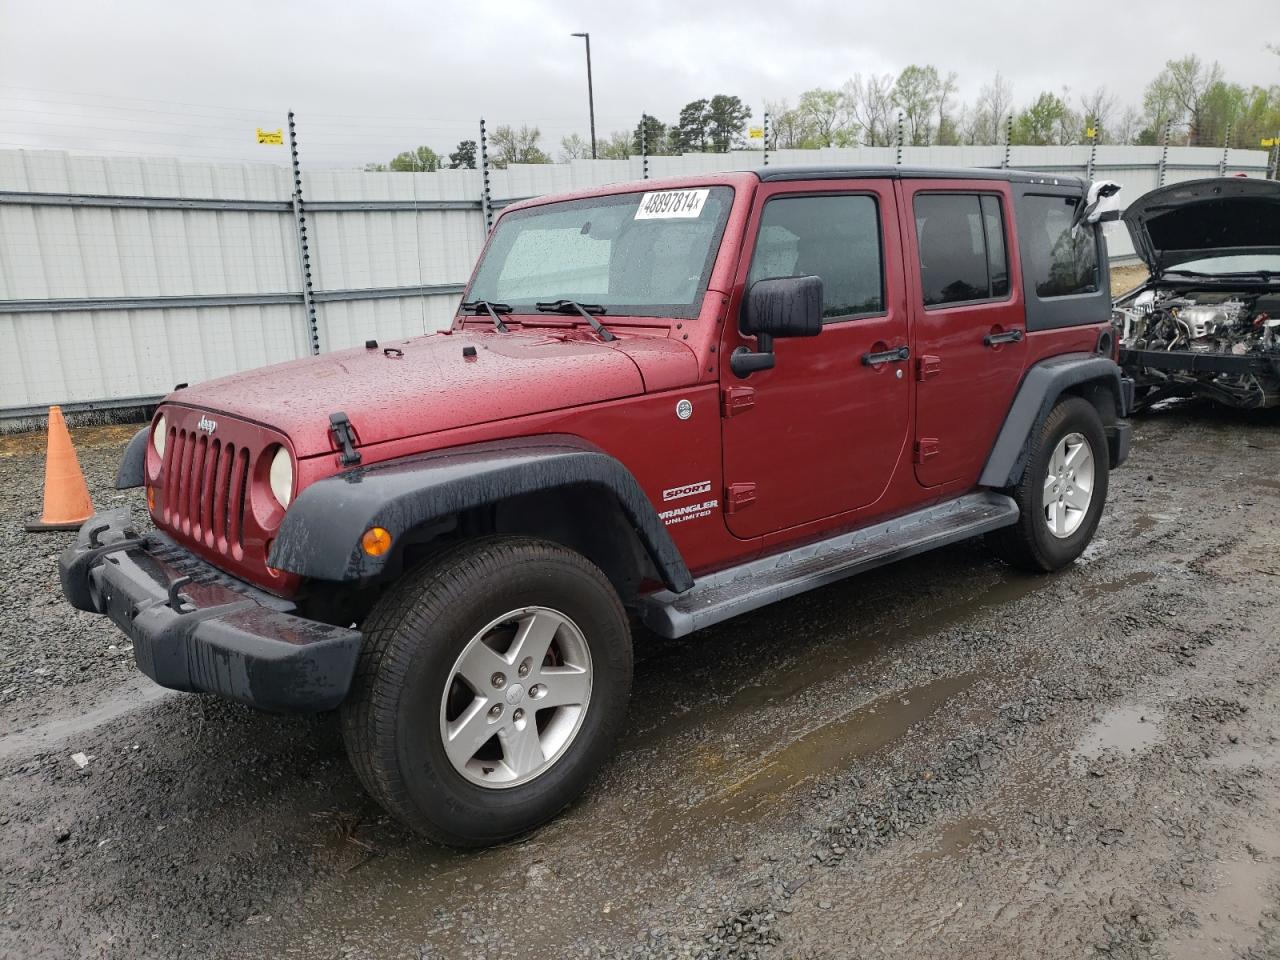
[{"x": 915, "y": 173}]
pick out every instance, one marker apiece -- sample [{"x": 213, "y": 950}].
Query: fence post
[
  {"x": 1274, "y": 172},
  {"x": 766, "y": 138},
  {"x": 644, "y": 145},
  {"x": 300, "y": 226},
  {"x": 486, "y": 198},
  {"x": 901, "y": 131},
  {"x": 1093, "y": 153},
  {"x": 1008, "y": 142},
  {"x": 1164, "y": 153},
  {"x": 1226, "y": 149}
]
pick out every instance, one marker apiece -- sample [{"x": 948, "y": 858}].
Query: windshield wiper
[
  {"x": 491, "y": 308},
  {"x": 587, "y": 310}
]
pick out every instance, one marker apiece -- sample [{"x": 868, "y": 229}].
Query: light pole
[{"x": 591, "y": 97}]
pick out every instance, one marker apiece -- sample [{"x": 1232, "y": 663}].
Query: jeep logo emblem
[{"x": 207, "y": 425}]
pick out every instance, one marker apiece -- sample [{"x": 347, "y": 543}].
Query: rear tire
[
  {"x": 449, "y": 725},
  {"x": 1062, "y": 491}
]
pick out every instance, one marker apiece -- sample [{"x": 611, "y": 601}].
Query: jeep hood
[
  {"x": 1221, "y": 217},
  {"x": 428, "y": 384}
]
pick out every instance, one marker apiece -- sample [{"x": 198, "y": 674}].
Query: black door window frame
[
  {"x": 981, "y": 196},
  {"x": 875, "y": 201}
]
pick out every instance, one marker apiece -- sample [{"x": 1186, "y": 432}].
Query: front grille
[{"x": 208, "y": 484}]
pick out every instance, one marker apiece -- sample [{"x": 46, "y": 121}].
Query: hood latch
[{"x": 345, "y": 435}]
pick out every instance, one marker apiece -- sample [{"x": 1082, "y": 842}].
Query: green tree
[
  {"x": 419, "y": 160},
  {"x": 726, "y": 118},
  {"x": 1177, "y": 94},
  {"x": 825, "y": 114},
  {"x": 617, "y": 146},
  {"x": 917, "y": 92},
  {"x": 650, "y": 136},
  {"x": 464, "y": 157},
  {"x": 1043, "y": 122},
  {"x": 691, "y": 134},
  {"x": 517, "y": 146}
]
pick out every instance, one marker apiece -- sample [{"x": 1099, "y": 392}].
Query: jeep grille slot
[{"x": 207, "y": 489}]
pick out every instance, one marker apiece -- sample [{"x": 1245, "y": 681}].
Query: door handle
[
  {"x": 1008, "y": 336},
  {"x": 896, "y": 355}
]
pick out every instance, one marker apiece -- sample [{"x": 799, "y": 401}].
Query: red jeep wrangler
[{"x": 678, "y": 401}]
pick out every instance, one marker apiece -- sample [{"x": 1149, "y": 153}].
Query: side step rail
[{"x": 757, "y": 583}]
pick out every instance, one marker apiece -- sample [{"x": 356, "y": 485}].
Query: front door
[
  {"x": 970, "y": 325},
  {"x": 819, "y": 435}
]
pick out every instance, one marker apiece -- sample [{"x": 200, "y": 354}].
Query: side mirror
[
  {"x": 781, "y": 307},
  {"x": 784, "y": 307}
]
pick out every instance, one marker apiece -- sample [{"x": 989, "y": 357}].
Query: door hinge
[
  {"x": 735, "y": 400},
  {"x": 928, "y": 366},
  {"x": 738, "y": 496},
  {"x": 927, "y": 449}
]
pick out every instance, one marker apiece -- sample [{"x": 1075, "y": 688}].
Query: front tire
[
  {"x": 492, "y": 685},
  {"x": 1062, "y": 491}
]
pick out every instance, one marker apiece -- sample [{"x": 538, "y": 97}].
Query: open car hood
[{"x": 1219, "y": 217}]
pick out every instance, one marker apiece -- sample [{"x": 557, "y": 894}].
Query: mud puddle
[
  {"x": 829, "y": 749},
  {"x": 1126, "y": 729},
  {"x": 672, "y": 834}
]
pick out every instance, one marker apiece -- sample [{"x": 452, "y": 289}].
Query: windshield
[
  {"x": 635, "y": 254},
  {"x": 1243, "y": 263}
]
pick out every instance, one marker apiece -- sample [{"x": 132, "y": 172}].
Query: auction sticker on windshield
[{"x": 669, "y": 204}]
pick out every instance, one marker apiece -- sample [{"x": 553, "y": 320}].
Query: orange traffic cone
[{"x": 66, "y": 495}]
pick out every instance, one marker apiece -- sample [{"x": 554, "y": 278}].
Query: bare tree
[
  {"x": 573, "y": 147},
  {"x": 870, "y": 103},
  {"x": 947, "y": 130},
  {"x": 787, "y": 127},
  {"x": 516, "y": 146},
  {"x": 1096, "y": 109},
  {"x": 995, "y": 102},
  {"x": 1126, "y": 127}
]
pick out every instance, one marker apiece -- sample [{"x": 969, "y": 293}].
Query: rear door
[
  {"x": 969, "y": 325},
  {"x": 820, "y": 434}
]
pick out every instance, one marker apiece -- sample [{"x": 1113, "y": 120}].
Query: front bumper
[{"x": 195, "y": 628}]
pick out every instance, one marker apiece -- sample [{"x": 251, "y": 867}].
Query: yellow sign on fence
[
  {"x": 273, "y": 138},
  {"x": 1091, "y": 132},
  {"x": 1269, "y": 141},
  {"x": 756, "y": 133}
]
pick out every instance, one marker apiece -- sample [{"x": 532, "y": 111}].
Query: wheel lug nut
[
  {"x": 496, "y": 711},
  {"x": 524, "y": 667},
  {"x": 498, "y": 681},
  {"x": 535, "y": 690},
  {"x": 518, "y": 716}
]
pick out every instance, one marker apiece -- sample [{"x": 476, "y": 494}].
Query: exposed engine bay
[{"x": 1215, "y": 343}]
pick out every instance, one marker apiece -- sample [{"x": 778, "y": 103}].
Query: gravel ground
[{"x": 938, "y": 759}]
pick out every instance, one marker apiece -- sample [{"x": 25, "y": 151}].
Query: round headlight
[
  {"x": 159, "y": 433},
  {"x": 281, "y": 476}
]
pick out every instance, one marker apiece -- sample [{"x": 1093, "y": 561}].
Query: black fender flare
[
  {"x": 320, "y": 534},
  {"x": 1043, "y": 384},
  {"x": 132, "y": 471}
]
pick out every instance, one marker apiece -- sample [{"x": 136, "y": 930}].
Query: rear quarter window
[{"x": 1061, "y": 259}]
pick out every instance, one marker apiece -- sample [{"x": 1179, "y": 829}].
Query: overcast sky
[{"x": 367, "y": 79}]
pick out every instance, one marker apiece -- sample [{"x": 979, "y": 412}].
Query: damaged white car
[{"x": 1207, "y": 321}]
